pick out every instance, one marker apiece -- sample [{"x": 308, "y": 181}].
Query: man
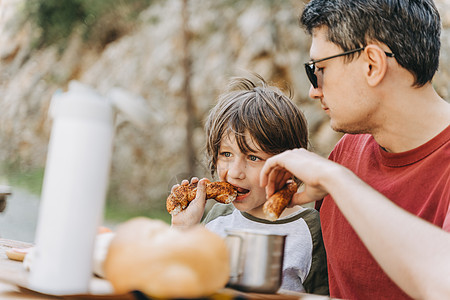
[
  {"x": 372, "y": 62},
  {"x": 413, "y": 253}
]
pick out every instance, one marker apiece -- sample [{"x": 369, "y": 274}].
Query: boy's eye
[
  {"x": 253, "y": 158},
  {"x": 225, "y": 154}
]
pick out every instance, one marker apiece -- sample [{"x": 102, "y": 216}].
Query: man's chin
[
  {"x": 336, "y": 127},
  {"x": 346, "y": 128}
]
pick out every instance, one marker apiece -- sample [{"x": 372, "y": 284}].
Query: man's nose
[{"x": 315, "y": 93}]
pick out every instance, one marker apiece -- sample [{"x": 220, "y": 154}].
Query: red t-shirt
[
  {"x": 446, "y": 225},
  {"x": 417, "y": 180}
]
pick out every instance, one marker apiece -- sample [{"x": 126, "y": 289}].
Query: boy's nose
[{"x": 236, "y": 169}]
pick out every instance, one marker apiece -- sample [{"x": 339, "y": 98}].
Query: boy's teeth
[{"x": 242, "y": 191}]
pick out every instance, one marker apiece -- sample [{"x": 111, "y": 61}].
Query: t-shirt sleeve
[{"x": 317, "y": 279}]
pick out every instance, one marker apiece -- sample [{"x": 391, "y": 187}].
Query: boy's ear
[{"x": 375, "y": 64}]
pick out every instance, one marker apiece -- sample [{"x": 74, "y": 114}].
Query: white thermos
[{"x": 74, "y": 191}]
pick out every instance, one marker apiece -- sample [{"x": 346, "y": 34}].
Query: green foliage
[
  {"x": 57, "y": 19},
  {"x": 121, "y": 212},
  {"x": 117, "y": 210},
  {"x": 28, "y": 179}
]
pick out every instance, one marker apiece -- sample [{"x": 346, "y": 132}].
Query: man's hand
[{"x": 310, "y": 168}]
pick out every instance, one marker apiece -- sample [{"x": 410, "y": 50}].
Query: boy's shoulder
[
  {"x": 312, "y": 219},
  {"x": 218, "y": 210},
  {"x": 310, "y": 215}
]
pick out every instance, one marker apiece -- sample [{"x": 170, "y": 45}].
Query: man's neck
[{"x": 412, "y": 119}]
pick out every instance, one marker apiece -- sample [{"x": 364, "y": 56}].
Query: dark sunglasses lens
[{"x": 311, "y": 76}]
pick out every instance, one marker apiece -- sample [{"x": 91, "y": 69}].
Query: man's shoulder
[
  {"x": 355, "y": 139},
  {"x": 353, "y": 144}
]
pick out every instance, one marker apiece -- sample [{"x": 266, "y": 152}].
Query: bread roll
[{"x": 160, "y": 261}]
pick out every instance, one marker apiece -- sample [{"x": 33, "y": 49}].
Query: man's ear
[{"x": 376, "y": 64}]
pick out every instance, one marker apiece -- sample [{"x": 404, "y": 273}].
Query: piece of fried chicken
[
  {"x": 182, "y": 195},
  {"x": 275, "y": 205}
]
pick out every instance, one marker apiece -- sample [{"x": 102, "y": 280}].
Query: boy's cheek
[{"x": 221, "y": 172}]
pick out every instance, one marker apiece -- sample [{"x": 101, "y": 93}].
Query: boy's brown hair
[{"x": 271, "y": 118}]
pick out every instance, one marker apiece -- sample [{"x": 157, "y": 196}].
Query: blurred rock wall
[{"x": 227, "y": 38}]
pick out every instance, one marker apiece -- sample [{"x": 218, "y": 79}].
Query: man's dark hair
[{"x": 410, "y": 28}]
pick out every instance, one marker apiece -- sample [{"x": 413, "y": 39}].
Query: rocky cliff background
[{"x": 177, "y": 56}]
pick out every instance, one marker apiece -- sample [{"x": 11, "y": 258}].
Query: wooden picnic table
[{"x": 14, "y": 276}]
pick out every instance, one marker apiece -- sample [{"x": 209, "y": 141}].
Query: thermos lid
[{"x": 81, "y": 102}]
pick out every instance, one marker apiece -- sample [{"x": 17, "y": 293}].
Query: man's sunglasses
[{"x": 310, "y": 66}]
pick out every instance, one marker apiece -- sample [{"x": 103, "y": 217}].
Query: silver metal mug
[{"x": 256, "y": 260}]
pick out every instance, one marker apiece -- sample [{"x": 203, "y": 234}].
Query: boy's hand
[{"x": 194, "y": 212}]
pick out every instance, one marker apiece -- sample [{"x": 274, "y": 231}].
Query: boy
[{"x": 250, "y": 124}]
